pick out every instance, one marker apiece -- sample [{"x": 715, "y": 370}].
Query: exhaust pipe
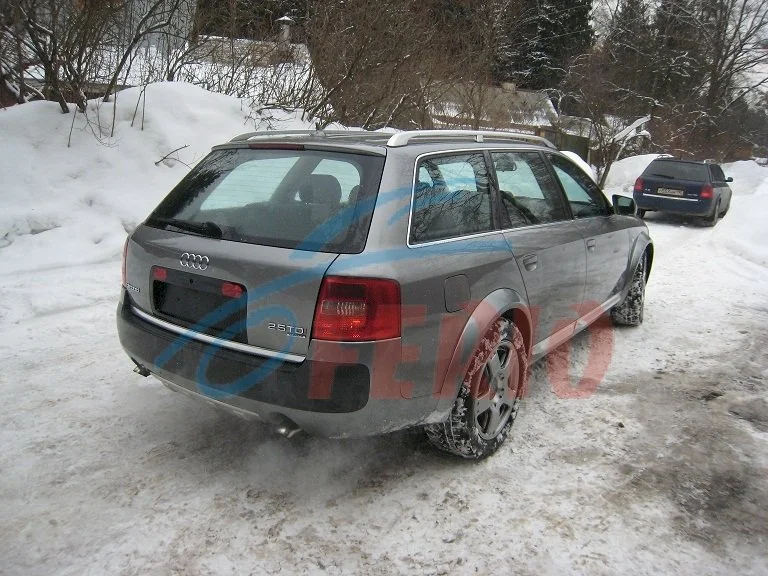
[
  {"x": 141, "y": 370},
  {"x": 287, "y": 427},
  {"x": 283, "y": 425}
]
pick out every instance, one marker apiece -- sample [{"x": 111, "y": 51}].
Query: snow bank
[
  {"x": 747, "y": 175},
  {"x": 69, "y": 206},
  {"x": 743, "y": 231},
  {"x": 622, "y": 176}
]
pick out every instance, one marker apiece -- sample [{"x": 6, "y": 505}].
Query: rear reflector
[
  {"x": 357, "y": 310},
  {"x": 159, "y": 274},
  {"x": 232, "y": 290},
  {"x": 639, "y": 185},
  {"x": 707, "y": 192}
]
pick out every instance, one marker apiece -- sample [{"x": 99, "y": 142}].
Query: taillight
[
  {"x": 639, "y": 185},
  {"x": 159, "y": 274},
  {"x": 357, "y": 310},
  {"x": 125, "y": 259},
  {"x": 707, "y": 192},
  {"x": 232, "y": 290}
]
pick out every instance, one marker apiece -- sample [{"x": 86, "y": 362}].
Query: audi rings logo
[{"x": 194, "y": 261}]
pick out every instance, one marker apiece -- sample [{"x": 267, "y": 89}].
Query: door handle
[
  {"x": 531, "y": 262},
  {"x": 591, "y": 244}
]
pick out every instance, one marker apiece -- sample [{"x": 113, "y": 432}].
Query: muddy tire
[
  {"x": 640, "y": 213},
  {"x": 489, "y": 398},
  {"x": 712, "y": 220},
  {"x": 630, "y": 311}
]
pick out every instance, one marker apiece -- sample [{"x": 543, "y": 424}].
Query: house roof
[
  {"x": 497, "y": 106},
  {"x": 575, "y": 126}
]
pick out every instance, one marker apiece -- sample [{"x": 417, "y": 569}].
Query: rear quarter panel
[{"x": 441, "y": 284}]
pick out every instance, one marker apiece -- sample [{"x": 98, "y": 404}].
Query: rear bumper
[
  {"x": 323, "y": 397},
  {"x": 684, "y": 207}
]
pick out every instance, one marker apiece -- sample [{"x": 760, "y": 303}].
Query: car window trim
[
  {"x": 500, "y": 229},
  {"x": 550, "y": 171},
  {"x": 491, "y": 233},
  {"x": 439, "y": 154},
  {"x": 608, "y": 203},
  {"x": 495, "y": 190},
  {"x": 558, "y": 184}
]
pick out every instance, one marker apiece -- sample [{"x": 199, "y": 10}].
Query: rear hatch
[
  {"x": 675, "y": 179},
  {"x": 239, "y": 248}
]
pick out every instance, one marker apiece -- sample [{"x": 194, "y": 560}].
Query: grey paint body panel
[
  {"x": 282, "y": 284},
  {"x": 553, "y": 264},
  {"x": 451, "y": 292}
]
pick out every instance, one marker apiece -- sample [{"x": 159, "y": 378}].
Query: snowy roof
[
  {"x": 498, "y": 106},
  {"x": 575, "y": 126},
  {"x": 634, "y": 127}
]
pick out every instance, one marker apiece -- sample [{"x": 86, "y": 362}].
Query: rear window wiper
[
  {"x": 210, "y": 229},
  {"x": 663, "y": 176}
]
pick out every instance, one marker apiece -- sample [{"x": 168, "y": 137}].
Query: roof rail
[
  {"x": 404, "y": 138},
  {"x": 304, "y": 133}
]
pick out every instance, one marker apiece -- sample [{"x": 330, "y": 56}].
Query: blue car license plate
[{"x": 670, "y": 192}]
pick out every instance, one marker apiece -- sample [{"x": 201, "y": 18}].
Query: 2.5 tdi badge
[{"x": 295, "y": 331}]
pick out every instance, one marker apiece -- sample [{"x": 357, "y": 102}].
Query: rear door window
[
  {"x": 451, "y": 198},
  {"x": 304, "y": 199},
  {"x": 584, "y": 196},
  {"x": 528, "y": 194}
]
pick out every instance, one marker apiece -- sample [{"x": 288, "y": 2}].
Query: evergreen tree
[
  {"x": 629, "y": 45},
  {"x": 677, "y": 61},
  {"x": 560, "y": 31}
]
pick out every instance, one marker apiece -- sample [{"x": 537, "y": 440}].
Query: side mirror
[
  {"x": 729, "y": 179},
  {"x": 623, "y": 206}
]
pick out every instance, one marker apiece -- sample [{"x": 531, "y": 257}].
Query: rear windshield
[
  {"x": 678, "y": 170},
  {"x": 310, "y": 200}
]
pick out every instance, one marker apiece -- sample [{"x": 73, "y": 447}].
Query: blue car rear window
[{"x": 678, "y": 170}]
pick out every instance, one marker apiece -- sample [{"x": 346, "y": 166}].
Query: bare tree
[
  {"x": 72, "y": 41},
  {"x": 378, "y": 67},
  {"x": 158, "y": 16},
  {"x": 691, "y": 63}
]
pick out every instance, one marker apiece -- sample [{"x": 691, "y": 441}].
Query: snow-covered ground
[{"x": 664, "y": 469}]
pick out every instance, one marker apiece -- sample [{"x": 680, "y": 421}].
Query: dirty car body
[
  {"x": 339, "y": 282},
  {"x": 684, "y": 188}
]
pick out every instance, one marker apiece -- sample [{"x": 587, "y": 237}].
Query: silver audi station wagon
[{"x": 355, "y": 283}]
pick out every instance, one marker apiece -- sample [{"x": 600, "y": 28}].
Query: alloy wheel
[{"x": 497, "y": 393}]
